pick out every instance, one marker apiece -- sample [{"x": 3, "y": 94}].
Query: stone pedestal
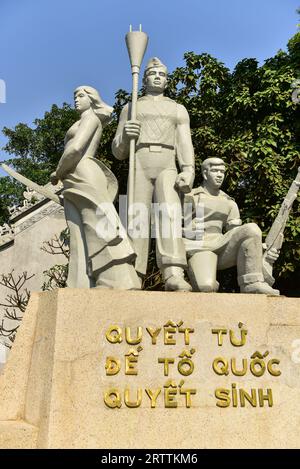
[{"x": 53, "y": 388}]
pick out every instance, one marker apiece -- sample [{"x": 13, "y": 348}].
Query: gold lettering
[
  {"x": 112, "y": 398},
  {"x": 136, "y": 340},
  {"x": 131, "y": 360},
  {"x": 188, "y": 393},
  {"x": 186, "y": 331},
  {"x": 170, "y": 393},
  {"x": 170, "y": 401},
  {"x": 239, "y": 372},
  {"x": 268, "y": 397},
  {"x": 169, "y": 331},
  {"x": 153, "y": 333},
  {"x": 114, "y": 334},
  {"x": 252, "y": 399},
  {"x": 185, "y": 366},
  {"x": 257, "y": 362},
  {"x": 166, "y": 362},
  {"x": 153, "y": 395},
  {"x": 234, "y": 341},
  {"x": 220, "y": 333},
  {"x": 112, "y": 366},
  {"x": 234, "y": 395},
  {"x": 220, "y": 370},
  {"x": 273, "y": 372},
  {"x": 136, "y": 403},
  {"x": 223, "y": 395}
]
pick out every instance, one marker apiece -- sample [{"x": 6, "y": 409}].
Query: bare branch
[
  {"x": 56, "y": 277},
  {"x": 16, "y": 300},
  {"x": 57, "y": 245},
  {"x": 12, "y": 315}
]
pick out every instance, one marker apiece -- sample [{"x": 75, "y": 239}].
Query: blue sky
[{"x": 49, "y": 47}]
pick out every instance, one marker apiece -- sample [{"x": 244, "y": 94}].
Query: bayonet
[
  {"x": 275, "y": 236},
  {"x": 43, "y": 190}
]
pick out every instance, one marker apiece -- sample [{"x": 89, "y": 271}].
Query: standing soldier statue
[{"x": 162, "y": 134}]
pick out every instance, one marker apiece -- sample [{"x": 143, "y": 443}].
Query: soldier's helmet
[{"x": 155, "y": 62}]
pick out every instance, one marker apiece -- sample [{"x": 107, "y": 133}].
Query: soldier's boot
[
  {"x": 122, "y": 276},
  {"x": 259, "y": 287},
  {"x": 255, "y": 283},
  {"x": 174, "y": 279}
]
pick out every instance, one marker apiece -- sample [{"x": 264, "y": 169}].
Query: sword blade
[{"x": 32, "y": 185}]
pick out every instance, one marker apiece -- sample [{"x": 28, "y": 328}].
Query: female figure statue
[{"x": 100, "y": 252}]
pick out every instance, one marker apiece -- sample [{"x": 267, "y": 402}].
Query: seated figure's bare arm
[{"x": 234, "y": 218}]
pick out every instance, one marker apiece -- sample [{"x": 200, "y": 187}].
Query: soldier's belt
[
  {"x": 212, "y": 230},
  {"x": 155, "y": 148}
]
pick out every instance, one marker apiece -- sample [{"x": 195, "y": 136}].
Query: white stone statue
[
  {"x": 100, "y": 254},
  {"x": 12, "y": 210},
  {"x": 6, "y": 234},
  {"x": 6, "y": 229},
  {"x": 225, "y": 242},
  {"x": 29, "y": 196},
  {"x": 163, "y": 138}
]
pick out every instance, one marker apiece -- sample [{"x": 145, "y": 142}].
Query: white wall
[
  {"x": 3, "y": 355},
  {"x": 25, "y": 254}
]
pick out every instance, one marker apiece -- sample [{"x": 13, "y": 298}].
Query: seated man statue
[{"x": 224, "y": 242}]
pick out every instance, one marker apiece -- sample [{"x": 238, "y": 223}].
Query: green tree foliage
[
  {"x": 248, "y": 118},
  {"x": 245, "y": 116},
  {"x": 34, "y": 152}
]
